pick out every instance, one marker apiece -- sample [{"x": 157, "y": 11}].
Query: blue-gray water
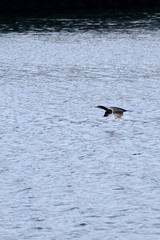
[{"x": 65, "y": 171}]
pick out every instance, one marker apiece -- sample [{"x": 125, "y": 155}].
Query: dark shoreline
[{"x": 30, "y": 6}]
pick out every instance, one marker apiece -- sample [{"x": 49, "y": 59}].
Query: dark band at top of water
[{"x": 99, "y": 21}]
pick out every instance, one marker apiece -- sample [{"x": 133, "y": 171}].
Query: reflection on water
[
  {"x": 66, "y": 172},
  {"x": 125, "y": 20}
]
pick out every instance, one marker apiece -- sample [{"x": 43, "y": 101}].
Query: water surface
[{"x": 66, "y": 172}]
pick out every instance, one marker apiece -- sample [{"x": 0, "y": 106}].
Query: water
[{"x": 66, "y": 172}]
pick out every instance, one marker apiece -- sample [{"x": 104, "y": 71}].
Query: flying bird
[{"x": 117, "y": 112}]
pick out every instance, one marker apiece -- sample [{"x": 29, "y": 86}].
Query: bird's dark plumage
[{"x": 117, "y": 112}]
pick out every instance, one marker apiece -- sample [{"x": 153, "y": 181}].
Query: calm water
[{"x": 65, "y": 171}]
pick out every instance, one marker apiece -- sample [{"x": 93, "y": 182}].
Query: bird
[{"x": 117, "y": 112}]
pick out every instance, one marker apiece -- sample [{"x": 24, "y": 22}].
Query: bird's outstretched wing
[
  {"x": 107, "y": 113},
  {"x": 102, "y": 107},
  {"x": 117, "y": 112}
]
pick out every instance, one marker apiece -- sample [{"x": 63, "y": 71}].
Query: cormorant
[{"x": 117, "y": 112}]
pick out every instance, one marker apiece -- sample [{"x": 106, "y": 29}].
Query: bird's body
[{"x": 117, "y": 112}]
